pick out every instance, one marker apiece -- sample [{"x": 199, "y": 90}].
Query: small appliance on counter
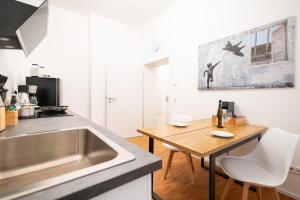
[
  {"x": 47, "y": 90},
  {"x": 53, "y": 111},
  {"x": 27, "y": 109},
  {"x": 23, "y": 94},
  {"x": 32, "y": 94},
  {"x": 47, "y": 97}
]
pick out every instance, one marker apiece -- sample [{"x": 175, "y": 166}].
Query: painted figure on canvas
[{"x": 210, "y": 72}]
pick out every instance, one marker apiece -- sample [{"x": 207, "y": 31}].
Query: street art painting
[{"x": 262, "y": 57}]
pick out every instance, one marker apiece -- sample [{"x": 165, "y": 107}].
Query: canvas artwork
[{"x": 263, "y": 57}]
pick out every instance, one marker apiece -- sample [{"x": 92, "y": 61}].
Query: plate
[
  {"x": 180, "y": 124},
  {"x": 222, "y": 134}
]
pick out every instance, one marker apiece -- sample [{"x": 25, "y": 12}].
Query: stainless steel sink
[{"x": 30, "y": 163}]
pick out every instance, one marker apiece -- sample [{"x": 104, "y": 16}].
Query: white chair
[
  {"x": 176, "y": 119},
  {"x": 266, "y": 166}
]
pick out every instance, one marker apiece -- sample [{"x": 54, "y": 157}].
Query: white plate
[
  {"x": 180, "y": 124},
  {"x": 222, "y": 134}
]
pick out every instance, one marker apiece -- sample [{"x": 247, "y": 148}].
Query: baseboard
[{"x": 288, "y": 193}]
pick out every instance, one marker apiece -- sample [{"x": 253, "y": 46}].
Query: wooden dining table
[{"x": 198, "y": 140}]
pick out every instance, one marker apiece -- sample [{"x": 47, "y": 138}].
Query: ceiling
[{"x": 131, "y": 12}]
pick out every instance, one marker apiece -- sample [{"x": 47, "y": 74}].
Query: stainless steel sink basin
[{"x": 34, "y": 162}]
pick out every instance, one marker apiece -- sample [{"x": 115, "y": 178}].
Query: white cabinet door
[
  {"x": 124, "y": 99},
  {"x": 139, "y": 189}
]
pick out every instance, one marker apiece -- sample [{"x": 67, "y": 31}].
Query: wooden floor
[{"x": 178, "y": 185}]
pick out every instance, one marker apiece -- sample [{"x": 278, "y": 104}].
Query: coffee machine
[
  {"x": 32, "y": 94},
  {"x": 23, "y": 95}
]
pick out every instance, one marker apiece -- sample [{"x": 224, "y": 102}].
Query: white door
[
  {"x": 124, "y": 99},
  {"x": 162, "y": 93},
  {"x": 156, "y": 95}
]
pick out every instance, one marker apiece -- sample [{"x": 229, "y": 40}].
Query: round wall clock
[{"x": 155, "y": 46}]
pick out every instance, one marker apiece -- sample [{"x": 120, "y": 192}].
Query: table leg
[
  {"x": 259, "y": 138},
  {"x": 202, "y": 163},
  {"x": 212, "y": 177},
  {"x": 151, "y": 150},
  {"x": 151, "y": 145}
]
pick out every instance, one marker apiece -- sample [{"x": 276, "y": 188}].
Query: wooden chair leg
[
  {"x": 276, "y": 194},
  {"x": 258, "y": 192},
  {"x": 190, "y": 165},
  {"x": 227, "y": 187},
  {"x": 171, "y": 154},
  {"x": 245, "y": 191}
]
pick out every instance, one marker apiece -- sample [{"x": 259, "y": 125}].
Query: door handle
[{"x": 110, "y": 99}]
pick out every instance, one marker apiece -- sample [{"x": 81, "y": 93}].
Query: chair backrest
[
  {"x": 275, "y": 152},
  {"x": 181, "y": 118}
]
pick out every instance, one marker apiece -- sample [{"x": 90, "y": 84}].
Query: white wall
[
  {"x": 13, "y": 64},
  {"x": 112, "y": 43},
  {"x": 188, "y": 24},
  {"x": 64, "y": 53}
]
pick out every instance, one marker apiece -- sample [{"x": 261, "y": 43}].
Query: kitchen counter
[{"x": 94, "y": 184}]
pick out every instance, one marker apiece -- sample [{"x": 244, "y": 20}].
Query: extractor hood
[{"x": 23, "y": 24}]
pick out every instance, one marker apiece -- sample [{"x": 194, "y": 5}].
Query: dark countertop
[{"x": 94, "y": 184}]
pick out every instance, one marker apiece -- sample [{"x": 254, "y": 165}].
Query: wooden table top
[
  {"x": 165, "y": 130},
  {"x": 197, "y": 139}
]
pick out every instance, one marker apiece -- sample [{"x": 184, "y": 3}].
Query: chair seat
[
  {"x": 248, "y": 171},
  {"x": 171, "y": 147}
]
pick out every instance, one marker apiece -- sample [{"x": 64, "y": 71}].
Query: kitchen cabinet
[{"x": 139, "y": 189}]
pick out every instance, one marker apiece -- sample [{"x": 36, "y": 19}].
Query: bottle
[{"x": 220, "y": 115}]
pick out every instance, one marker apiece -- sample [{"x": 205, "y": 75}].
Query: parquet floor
[{"x": 178, "y": 187}]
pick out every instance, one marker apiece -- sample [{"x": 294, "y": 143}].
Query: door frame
[{"x": 105, "y": 101}]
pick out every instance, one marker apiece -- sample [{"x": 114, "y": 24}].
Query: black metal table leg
[
  {"x": 155, "y": 196},
  {"x": 151, "y": 150},
  {"x": 212, "y": 177},
  {"x": 151, "y": 145}
]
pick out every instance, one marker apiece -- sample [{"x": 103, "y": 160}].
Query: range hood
[{"x": 23, "y": 24}]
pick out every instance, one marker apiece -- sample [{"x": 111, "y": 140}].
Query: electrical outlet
[
  {"x": 292, "y": 170},
  {"x": 295, "y": 170}
]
